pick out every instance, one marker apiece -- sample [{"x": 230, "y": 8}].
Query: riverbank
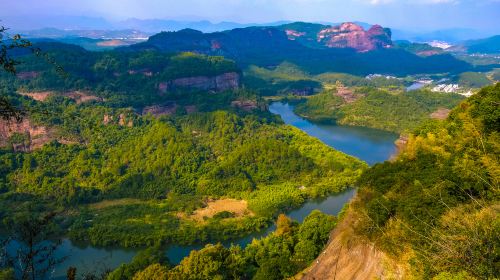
[{"x": 369, "y": 145}]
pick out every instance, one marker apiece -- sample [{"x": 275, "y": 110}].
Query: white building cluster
[
  {"x": 451, "y": 88},
  {"x": 446, "y": 88},
  {"x": 373, "y": 76}
]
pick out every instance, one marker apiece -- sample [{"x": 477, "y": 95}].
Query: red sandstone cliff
[
  {"x": 351, "y": 35},
  {"x": 33, "y": 136}
]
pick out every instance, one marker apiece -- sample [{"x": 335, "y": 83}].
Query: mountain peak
[{"x": 352, "y": 35}]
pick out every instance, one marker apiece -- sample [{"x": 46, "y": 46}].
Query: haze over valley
[{"x": 216, "y": 139}]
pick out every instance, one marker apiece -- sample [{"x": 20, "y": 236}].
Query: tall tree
[
  {"x": 8, "y": 44},
  {"x": 31, "y": 246}
]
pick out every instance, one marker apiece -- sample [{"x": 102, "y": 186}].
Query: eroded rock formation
[
  {"x": 160, "y": 110},
  {"x": 24, "y": 136},
  {"x": 245, "y": 105},
  {"x": 351, "y": 35}
]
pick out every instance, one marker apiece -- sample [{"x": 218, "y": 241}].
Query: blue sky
[{"x": 408, "y": 14}]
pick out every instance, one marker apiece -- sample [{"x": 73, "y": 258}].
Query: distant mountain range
[
  {"x": 489, "y": 45},
  {"x": 454, "y": 35},
  {"x": 356, "y": 48},
  {"x": 54, "y": 33},
  {"x": 347, "y": 48},
  {"x": 70, "y": 23}
]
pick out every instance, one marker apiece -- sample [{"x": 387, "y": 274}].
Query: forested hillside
[
  {"x": 122, "y": 176},
  {"x": 434, "y": 210},
  {"x": 270, "y": 46},
  {"x": 147, "y": 146},
  {"x": 392, "y": 111},
  {"x": 121, "y": 79}
]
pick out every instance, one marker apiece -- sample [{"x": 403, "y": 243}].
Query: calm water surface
[
  {"x": 415, "y": 86},
  {"x": 370, "y": 145}
]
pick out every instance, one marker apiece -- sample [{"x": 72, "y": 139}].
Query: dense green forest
[
  {"x": 437, "y": 205},
  {"x": 281, "y": 255},
  {"x": 270, "y": 46},
  {"x": 136, "y": 180},
  {"x": 122, "y": 79},
  {"x": 171, "y": 165},
  {"x": 116, "y": 175},
  {"x": 290, "y": 79},
  {"x": 435, "y": 208},
  {"x": 392, "y": 111}
]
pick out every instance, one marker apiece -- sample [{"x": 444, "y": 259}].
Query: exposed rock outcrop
[
  {"x": 160, "y": 110},
  {"x": 78, "y": 96},
  {"x": 24, "y": 136},
  {"x": 348, "y": 257},
  {"x": 219, "y": 83},
  {"x": 293, "y": 34},
  {"x": 347, "y": 94},
  {"x": 38, "y": 96},
  {"x": 121, "y": 120},
  {"x": 245, "y": 105},
  {"x": 351, "y": 35}
]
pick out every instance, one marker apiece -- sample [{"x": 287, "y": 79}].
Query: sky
[{"x": 404, "y": 14}]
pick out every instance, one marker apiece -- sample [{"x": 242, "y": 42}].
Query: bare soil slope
[{"x": 347, "y": 257}]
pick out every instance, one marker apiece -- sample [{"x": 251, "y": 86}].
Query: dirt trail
[{"x": 348, "y": 258}]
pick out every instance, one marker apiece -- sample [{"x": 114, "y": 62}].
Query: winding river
[{"x": 367, "y": 144}]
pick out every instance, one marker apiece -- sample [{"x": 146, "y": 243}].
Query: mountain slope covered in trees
[
  {"x": 269, "y": 46},
  {"x": 133, "y": 178},
  {"x": 435, "y": 209}
]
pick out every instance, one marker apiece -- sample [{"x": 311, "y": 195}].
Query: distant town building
[
  {"x": 440, "y": 44},
  {"x": 373, "y": 76},
  {"x": 446, "y": 88},
  {"x": 451, "y": 88}
]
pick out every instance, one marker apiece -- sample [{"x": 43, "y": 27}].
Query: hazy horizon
[{"x": 422, "y": 15}]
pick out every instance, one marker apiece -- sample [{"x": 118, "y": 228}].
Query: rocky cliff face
[
  {"x": 351, "y": 258},
  {"x": 351, "y": 35},
  {"x": 23, "y": 136},
  {"x": 346, "y": 35},
  {"x": 223, "y": 82}
]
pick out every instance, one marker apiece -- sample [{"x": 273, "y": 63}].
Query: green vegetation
[
  {"x": 290, "y": 79},
  {"x": 496, "y": 75},
  {"x": 473, "y": 80},
  {"x": 285, "y": 79},
  {"x": 270, "y": 46},
  {"x": 380, "y": 109},
  {"x": 438, "y": 203},
  {"x": 488, "y": 45},
  {"x": 417, "y": 48},
  {"x": 172, "y": 164},
  {"x": 118, "y": 177},
  {"x": 122, "y": 178},
  {"x": 140, "y": 262},
  {"x": 7, "y": 274},
  {"x": 290, "y": 249},
  {"x": 122, "y": 78}
]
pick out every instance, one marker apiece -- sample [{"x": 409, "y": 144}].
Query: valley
[{"x": 259, "y": 152}]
